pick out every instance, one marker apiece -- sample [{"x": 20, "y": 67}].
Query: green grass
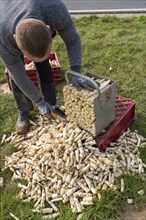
[
  {"x": 2, "y": 75},
  {"x": 107, "y": 42},
  {"x": 10, "y": 203},
  {"x": 133, "y": 184},
  {"x": 103, "y": 209},
  {"x": 7, "y": 114}
]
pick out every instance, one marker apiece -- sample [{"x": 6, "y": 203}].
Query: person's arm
[
  {"x": 72, "y": 40},
  {"x": 20, "y": 77},
  {"x": 18, "y": 74}
]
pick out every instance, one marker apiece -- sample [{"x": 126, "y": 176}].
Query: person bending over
[{"x": 27, "y": 29}]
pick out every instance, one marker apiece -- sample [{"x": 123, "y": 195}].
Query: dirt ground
[
  {"x": 4, "y": 89},
  {"x": 129, "y": 213}
]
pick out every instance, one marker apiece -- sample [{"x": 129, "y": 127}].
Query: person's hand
[
  {"x": 45, "y": 109},
  {"x": 84, "y": 83}
]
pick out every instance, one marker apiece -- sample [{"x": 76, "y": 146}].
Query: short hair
[{"x": 33, "y": 37}]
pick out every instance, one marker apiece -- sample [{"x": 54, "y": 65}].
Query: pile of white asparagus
[{"x": 60, "y": 162}]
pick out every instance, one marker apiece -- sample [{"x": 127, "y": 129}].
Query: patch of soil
[
  {"x": 4, "y": 89},
  {"x": 129, "y": 213}
]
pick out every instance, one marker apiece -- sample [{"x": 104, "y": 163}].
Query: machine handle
[{"x": 82, "y": 76}]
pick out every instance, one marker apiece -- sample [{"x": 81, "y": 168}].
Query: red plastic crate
[
  {"x": 56, "y": 69},
  {"x": 124, "y": 115},
  {"x": 33, "y": 74}
]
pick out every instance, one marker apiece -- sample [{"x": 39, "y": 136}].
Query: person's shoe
[{"x": 22, "y": 124}]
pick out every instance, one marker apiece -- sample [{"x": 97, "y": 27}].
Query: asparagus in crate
[
  {"x": 79, "y": 107},
  {"x": 92, "y": 110}
]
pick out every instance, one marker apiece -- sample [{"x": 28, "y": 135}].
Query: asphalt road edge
[{"x": 109, "y": 11}]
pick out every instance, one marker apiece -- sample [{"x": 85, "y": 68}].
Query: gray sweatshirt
[{"x": 53, "y": 13}]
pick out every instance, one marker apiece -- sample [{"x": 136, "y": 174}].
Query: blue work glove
[
  {"x": 84, "y": 83},
  {"x": 45, "y": 109}
]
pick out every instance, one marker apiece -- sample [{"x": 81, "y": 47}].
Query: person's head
[{"x": 34, "y": 39}]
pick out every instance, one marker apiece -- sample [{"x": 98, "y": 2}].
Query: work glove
[
  {"x": 45, "y": 109},
  {"x": 58, "y": 111},
  {"x": 84, "y": 83}
]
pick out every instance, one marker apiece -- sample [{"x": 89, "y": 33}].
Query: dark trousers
[{"x": 47, "y": 87}]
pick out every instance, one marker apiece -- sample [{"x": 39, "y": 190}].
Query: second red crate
[
  {"x": 124, "y": 116},
  {"x": 55, "y": 67}
]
